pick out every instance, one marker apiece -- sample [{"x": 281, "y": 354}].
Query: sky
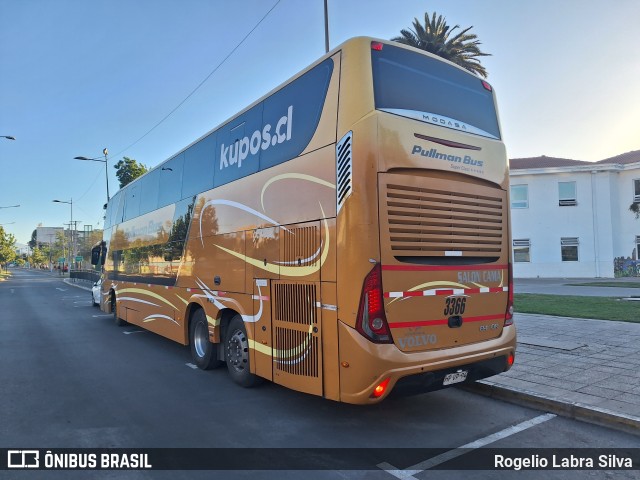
[{"x": 77, "y": 76}]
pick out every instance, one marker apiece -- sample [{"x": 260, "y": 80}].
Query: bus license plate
[{"x": 456, "y": 377}]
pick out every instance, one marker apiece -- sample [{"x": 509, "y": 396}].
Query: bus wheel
[
  {"x": 119, "y": 322},
  {"x": 203, "y": 352},
  {"x": 236, "y": 348}
]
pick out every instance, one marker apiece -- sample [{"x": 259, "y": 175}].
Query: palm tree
[{"x": 437, "y": 37}]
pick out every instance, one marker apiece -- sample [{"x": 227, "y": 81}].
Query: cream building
[{"x": 571, "y": 218}]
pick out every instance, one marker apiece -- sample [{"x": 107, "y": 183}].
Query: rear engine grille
[{"x": 427, "y": 222}]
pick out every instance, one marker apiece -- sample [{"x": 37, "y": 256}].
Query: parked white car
[{"x": 96, "y": 293}]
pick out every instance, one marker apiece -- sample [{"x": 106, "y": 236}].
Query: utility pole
[
  {"x": 50, "y": 262},
  {"x": 74, "y": 241}
]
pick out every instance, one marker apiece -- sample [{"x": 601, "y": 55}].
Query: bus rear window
[{"x": 423, "y": 88}]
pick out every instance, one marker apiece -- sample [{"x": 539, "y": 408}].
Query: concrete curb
[{"x": 577, "y": 411}]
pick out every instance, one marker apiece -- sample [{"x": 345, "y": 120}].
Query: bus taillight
[
  {"x": 372, "y": 321},
  {"x": 508, "y": 317},
  {"x": 376, "y": 46}
]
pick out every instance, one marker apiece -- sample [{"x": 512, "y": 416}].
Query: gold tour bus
[{"x": 346, "y": 235}]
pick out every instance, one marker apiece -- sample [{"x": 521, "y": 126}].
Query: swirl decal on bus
[{"x": 286, "y": 267}]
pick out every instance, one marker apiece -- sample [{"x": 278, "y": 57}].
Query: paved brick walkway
[{"x": 588, "y": 368}]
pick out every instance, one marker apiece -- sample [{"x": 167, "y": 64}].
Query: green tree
[
  {"x": 436, "y": 37},
  {"x": 128, "y": 169},
  {"x": 33, "y": 242},
  {"x": 7, "y": 247},
  {"x": 39, "y": 257}
]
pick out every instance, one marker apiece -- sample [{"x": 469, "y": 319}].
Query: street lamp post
[
  {"x": 326, "y": 27},
  {"x": 105, "y": 152},
  {"x": 71, "y": 245}
]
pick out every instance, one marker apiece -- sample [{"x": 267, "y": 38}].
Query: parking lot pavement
[{"x": 574, "y": 367}]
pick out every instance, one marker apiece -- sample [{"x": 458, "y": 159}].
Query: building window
[
  {"x": 567, "y": 194},
  {"x": 519, "y": 196},
  {"x": 521, "y": 250},
  {"x": 636, "y": 190},
  {"x": 569, "y": 249}
]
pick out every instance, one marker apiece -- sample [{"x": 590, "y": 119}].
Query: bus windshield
[{"x": 426, "y": 89}]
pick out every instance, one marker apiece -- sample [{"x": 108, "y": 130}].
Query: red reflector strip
[
  {"x": 440, "y": 268},
  {"x": 426, "y": 323},
  {"x": 446, "y": 291}
]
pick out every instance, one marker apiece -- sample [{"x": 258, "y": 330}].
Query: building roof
[
  {"x": 543, "y": 162},
  {"x": 551, "y": 162},
  {"x": 624, "y": 158}
]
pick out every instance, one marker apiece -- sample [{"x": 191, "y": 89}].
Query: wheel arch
[{"x": 220, "y": 319}]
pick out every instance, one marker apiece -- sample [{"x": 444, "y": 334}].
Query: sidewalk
[{"x": 583, "y": 369}]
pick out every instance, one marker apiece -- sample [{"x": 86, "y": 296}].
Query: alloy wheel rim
[
  {"x": 237, "y": 351},
  {"x": 199, "y": 340}
]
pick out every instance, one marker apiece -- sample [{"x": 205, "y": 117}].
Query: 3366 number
[{"x": 455, "y": 305}]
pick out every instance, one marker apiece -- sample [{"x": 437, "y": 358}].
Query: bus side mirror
[{"x": 95, "y": 255}]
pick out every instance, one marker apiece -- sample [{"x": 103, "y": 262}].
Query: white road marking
[
  {"x": 134, "y": 331},
  {"x": 101, "y": 316},
  {"x": 191, "y": 365},
  {"x": 409, "y": 472},
  {"x": 61, "y": 289}
]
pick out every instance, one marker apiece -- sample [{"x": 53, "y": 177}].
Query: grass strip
[
  {"x": 607, "y": 284},
  {"x": 601, "y": 308}
]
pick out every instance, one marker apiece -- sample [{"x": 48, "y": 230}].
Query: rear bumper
[
  {"x": 430, "y": 381},
  {"x": 364, "y": 365}
]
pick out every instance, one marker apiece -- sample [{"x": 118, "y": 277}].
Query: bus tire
[
  {"x": 203, "y": 352},
  {"x": 236, "y": 353},
  {"x": 114, "y": 309}
]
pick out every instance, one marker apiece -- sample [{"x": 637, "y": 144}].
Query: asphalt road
[{"x": 70, "y": 378}]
